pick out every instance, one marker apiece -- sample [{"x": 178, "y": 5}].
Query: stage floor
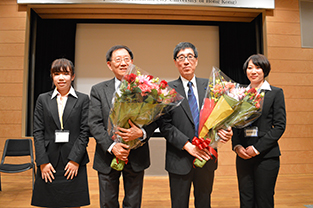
[{"x": 292, "y": 191}]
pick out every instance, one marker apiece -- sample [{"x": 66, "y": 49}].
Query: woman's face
[
  {"x": 62, "y": 81},
  {"x": 255, "y": 74}
]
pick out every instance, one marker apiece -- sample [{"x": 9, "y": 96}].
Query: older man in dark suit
[
  {"x": 118, "y": 59},
  {"x": 180, "y": 126}
]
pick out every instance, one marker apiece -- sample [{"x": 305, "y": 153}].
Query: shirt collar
[
  {"x": 116, "y": 83},
  {"x": 71, "y": 92},
  {"x": 185, "y": 81},
  {"x": 266, "y": 86}
]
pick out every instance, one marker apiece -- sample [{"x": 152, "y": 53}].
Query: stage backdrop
[{"x": 152, "y": 46}]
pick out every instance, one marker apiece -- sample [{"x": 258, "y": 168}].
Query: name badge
[
  {"x": 62, "y": 136},
  {"x": 251, "y": 132}
]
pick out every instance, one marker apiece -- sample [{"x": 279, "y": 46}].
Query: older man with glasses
[{"x": 118, "y": 59}]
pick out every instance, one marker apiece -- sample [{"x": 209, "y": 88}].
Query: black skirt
[{"x": 61, "y": 192}]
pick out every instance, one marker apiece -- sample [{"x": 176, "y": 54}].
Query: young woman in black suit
[
  {"x": 258, "y": 152},
  {"x": 61, "y": 135}
]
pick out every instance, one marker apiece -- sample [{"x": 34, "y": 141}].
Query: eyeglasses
[
  {"x": 189, "y": 57},
  {"x": 119, "y": 60}
]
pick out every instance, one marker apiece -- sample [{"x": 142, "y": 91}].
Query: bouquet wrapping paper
[
  {"x": 141, "y": 98},
  {"x": 226, "y": 104}
]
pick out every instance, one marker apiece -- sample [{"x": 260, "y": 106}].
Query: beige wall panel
[
  {"x": 290, "y": 16},
  {"x": 298, "y": 131},
  {"x": 294, "y": 66},
  {"x": 5, "y": 2},
  {"x": 286, "y": 169},
  {"x": 17, "y": 159},
  {"x": 296, "y": 144},
  {"x": 297, "y": 157},
  {"x": 11, "y": 76},
  {"x": 11, "y": 63},
  {"x": 299, "y": 105},
  {"x": 290, "y": 53},
  {"x": 10, "y": 131},
  {"x": 12, "y": 37},
  {"x": 287, "y": 5},
  {"x": 10, "y": 11},
  {"x": 10, "y": 117},
  {"x": 296, "y": 118},
  {"x": 303, "y": 79},
  {"x": 284, "y": 40},
  {"x": 11, "y": 103},
  {"x": 11, "y": 90},
  {"x": 292, "y": 91},
  {"x": 283, "y": 28},
  {"x": 12, "y": 24},
  {"x": 12, "y": 50}
]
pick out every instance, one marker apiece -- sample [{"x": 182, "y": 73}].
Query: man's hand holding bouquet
[
  {"x": 226, "y": 104},
  {"x": 140, "y": 100}
]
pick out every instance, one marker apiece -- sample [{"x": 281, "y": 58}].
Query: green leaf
[{"x": 119, "y": 166}]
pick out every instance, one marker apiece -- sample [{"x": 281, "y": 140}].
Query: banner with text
[{"x": 258, "y": 4}]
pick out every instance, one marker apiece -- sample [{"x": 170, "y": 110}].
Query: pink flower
[
  {"x": 218, "y": 88},
  {"x": 144, "y": 79},
  {"x": 144, "y": 89},
  {"x": 229, "y": 85}
]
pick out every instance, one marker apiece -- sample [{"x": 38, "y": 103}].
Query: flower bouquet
[
  {"x": 249, "y": 110},
  {"x": 226, "y": 103},
  {"x": 142, "y": 99}
]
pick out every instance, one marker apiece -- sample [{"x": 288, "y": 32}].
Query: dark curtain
[
  {"x": 49, "y": 40},
  {"x": 238, "y": 41}
]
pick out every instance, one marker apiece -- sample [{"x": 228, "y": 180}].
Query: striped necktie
[{"x": 193, "y": 107}]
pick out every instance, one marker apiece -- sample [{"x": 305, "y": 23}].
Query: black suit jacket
[
  {"x": 271, "y": 126},
  {"x": 178, "y": 127},
  {"x": 46, "y": 121},
  {"x": 101, "y": 96}
]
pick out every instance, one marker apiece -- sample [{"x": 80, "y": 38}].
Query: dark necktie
[{"x": 193, "y": 107}]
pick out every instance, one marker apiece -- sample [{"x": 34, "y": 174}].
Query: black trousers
[
  {"x": 202, "y": 180},
  {"x": 109, "y": 188},
  {"x": 256, "y": 180}
]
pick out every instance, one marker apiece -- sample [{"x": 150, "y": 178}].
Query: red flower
[
  {"x": 130, "y": 78},
  {"x": 163, "y": 84},
  {"x": 150, "y": 77},
  {"x": 252, "y": 90}
]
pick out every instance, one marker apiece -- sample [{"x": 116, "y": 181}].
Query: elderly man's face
[
  {"x": 119, "y": 62},
  {"x": 186, "y": 63}
]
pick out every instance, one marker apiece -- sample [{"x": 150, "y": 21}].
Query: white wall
[{"x": 152, "y": 46}]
